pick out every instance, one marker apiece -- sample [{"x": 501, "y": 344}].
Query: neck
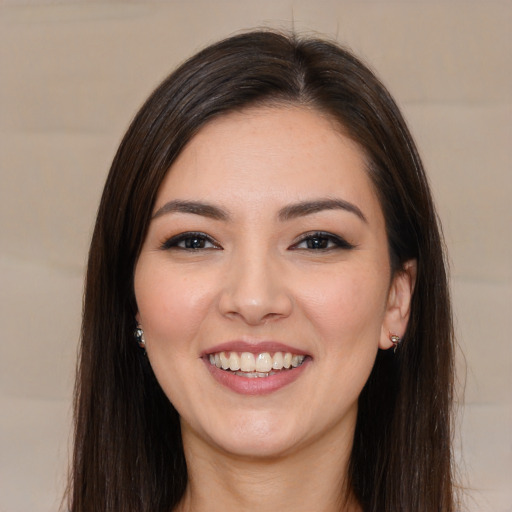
[{"x": 312, "y": 478}]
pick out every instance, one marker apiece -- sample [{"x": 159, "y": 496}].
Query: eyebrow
[
  {"x": 308, "y": 207},
  {"x": 289, "y": 212},
  {"x": 194, "y": 207}
]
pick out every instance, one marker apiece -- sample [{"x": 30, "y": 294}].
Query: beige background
[{"x": 73, "y": 74}]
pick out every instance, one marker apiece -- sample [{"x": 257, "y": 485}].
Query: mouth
[
  {"x": 259, "y": 365},
  {"x": 256, "y": 368}
]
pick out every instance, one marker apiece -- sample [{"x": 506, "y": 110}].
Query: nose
[{"x": 255, "y": 290}]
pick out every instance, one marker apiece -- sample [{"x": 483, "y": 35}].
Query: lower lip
[{"x": 256, "y": 385}]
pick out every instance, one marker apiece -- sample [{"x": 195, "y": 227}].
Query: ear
[{"x": 399, "y": 303}]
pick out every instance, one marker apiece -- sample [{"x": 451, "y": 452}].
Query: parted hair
[{"x": 128, "y": 453}]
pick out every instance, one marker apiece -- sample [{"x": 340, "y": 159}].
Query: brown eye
[
  {"x": 321, "y": 241},
  {"x": 317, "y": 242},
  {"x": 191, "y": 242}
]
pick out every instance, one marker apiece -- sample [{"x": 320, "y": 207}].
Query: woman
[{"x": 268, "y": 233}]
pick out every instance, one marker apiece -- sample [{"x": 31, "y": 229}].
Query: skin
[{"x": 256, "y": 279}]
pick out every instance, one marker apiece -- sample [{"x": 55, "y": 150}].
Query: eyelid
[
  {"x": 339, "y": 241},
  {"x": 172, "y": 242}
]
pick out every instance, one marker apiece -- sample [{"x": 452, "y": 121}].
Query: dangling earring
[
  {"x": 395, "y": 340},
  {"x": 139, "y": 336}
]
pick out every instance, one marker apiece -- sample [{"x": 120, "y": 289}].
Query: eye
[
  {"x": 191, "y": 241},
  {"x": 321, "y": 241}
]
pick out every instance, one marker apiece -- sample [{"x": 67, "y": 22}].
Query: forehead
[{"x": 265, "y": 156}]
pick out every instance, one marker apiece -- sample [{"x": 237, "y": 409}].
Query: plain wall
[{"x": 72, "y": 75}]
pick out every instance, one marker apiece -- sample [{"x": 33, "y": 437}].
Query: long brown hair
[{"x": 128, "y": 454}]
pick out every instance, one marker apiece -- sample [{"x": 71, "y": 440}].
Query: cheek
[
  {"x": 348, "y": 307},
  {"x": 171, "y": 309},
  {"x": 171, "y": 305}
]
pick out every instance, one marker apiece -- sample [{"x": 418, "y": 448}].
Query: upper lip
[{"x": 254, "y": 348}]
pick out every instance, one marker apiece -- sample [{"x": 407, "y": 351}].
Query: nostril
[
  {"x": 254, "y": 292},
  {"x": 256, "y": 313}
]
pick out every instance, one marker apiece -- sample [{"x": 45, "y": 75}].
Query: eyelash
[
  {"x": 193, "y": 237},
  {"x": 336, "y": 242},
  {"x": 190, "y": 237}
]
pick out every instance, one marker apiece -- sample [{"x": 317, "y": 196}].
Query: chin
[
  {"x": 251, "y": 435},
  {"x": 257, "y": 446}
]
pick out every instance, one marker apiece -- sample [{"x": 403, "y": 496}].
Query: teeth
[
  {"x": 278, "y": 361},
  {"x": 234, "y": 362},
  {"x": 255, "y": 365},
  {"x": 224, "y": 361},
  {"x": 264, "y": 362},
  {"x": 253, "y": 375},
  {"x": 247, "y": 362}
]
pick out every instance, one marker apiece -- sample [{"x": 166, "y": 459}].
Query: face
[{"x": 264, "y": 286}]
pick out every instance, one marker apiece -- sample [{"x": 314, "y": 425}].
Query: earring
[
  {"x": 139, "y": 336},
  {"x": 395, "y": 340}
]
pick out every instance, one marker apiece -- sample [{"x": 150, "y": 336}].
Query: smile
[{"x": 247, "y": 364}]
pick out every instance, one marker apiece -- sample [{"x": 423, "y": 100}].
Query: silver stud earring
[
  {"x": 139, "y": 336},
  {"x": 395, "y": 340}
]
